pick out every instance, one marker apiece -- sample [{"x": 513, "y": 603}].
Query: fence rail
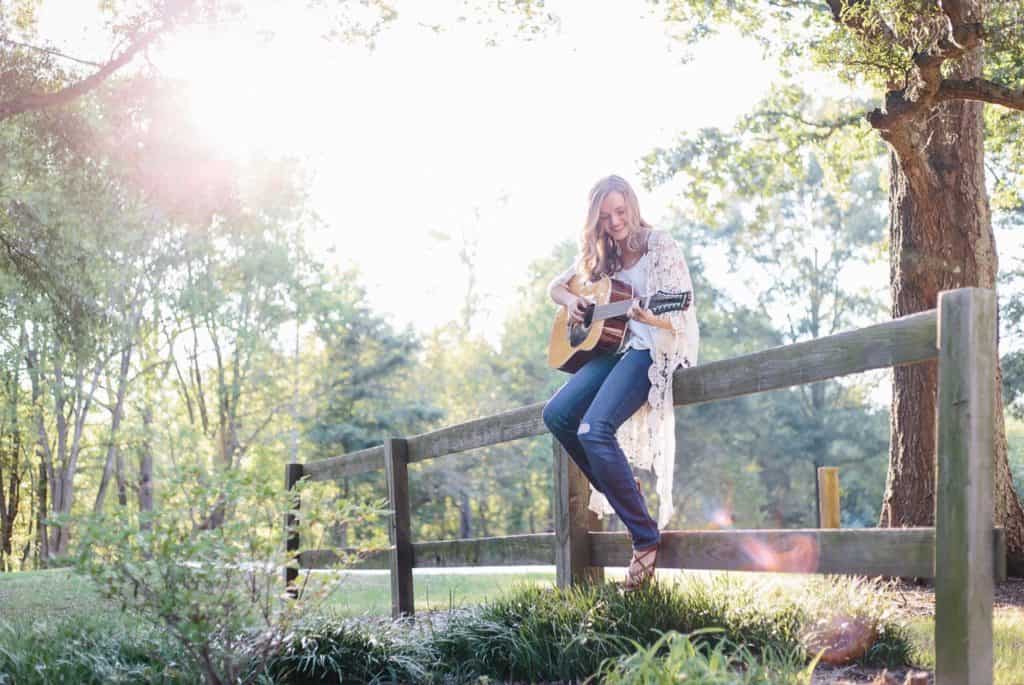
[{"x": 965, "y": 553}]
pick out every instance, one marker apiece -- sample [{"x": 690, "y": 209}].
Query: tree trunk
[
  {"x": 146, "y": 461},
  {"x": 465, "y": 515},
  {"x": 114, "y": 458},
  {"x": 43, "y": 547},
  {"x": 940, "y": 238}
]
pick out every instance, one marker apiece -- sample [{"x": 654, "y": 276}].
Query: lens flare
[{"x": 793, "y": 553}]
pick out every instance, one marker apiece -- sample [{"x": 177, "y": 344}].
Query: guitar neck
[{"x": 613, "y": 309}]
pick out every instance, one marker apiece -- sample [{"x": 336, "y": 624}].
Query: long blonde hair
[{"x": 599, "y": 254}]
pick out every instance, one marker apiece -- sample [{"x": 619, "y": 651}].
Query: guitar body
[{"x": 573, "y": 345}]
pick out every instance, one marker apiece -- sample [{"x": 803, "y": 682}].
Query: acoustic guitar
[{"x": 604, "y": 325}]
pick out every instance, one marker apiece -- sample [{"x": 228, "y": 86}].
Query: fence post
[
  {"x": 828, "y": 497},
  {"x": 396, "y": 465},
  {"x": 292, "y": 474},
  {"x": 964, "y": 571},
  {"x": 573, "y": 521}
]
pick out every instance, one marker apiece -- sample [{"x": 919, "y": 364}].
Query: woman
[{"x": 621, "y": 403}]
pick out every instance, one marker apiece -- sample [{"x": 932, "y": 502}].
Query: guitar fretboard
[{"x": 613, "y": 309}]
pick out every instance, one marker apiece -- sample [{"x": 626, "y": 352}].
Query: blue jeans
[{"x": 584, "y": 415}]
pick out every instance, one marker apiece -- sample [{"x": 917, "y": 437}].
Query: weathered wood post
[
  {"x": 828, "y": 497},
  {"x": 573, "y": 522},
  {"x": 292, "y": 474},
  {"x": 964, "y": 572},
  {"x": 396, "y": 466}
]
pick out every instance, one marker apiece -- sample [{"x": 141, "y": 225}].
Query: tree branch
[
  {"x": 841, "y": 14},
  {"x": 981, "y": 90},
  {"x": 36, "y": 101},
  {"x": 50, "y": 51},
  {"x": 909, "y": 103}
]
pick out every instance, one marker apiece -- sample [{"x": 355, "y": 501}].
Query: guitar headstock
[{"x": 663, "y": 301}]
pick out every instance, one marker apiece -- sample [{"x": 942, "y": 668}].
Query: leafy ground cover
[{"x": 56, "y": 628}]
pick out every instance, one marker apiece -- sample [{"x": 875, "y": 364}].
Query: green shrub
[
  {"x": 206, "y": 566},
  {"x": 550, "y": 634},
  {"x": 333, "y": 651},
  {"x": 676, "y": 658},
  {"x": 89, "y": 650}
]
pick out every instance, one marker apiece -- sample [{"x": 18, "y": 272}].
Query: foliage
[
  {"x": 1011, "y": 320},
  {"x": 91, "y": 650},
  {"x": 216, "y": 589},
  {"x": 553, "y": 634},
  {"x": 359, "y": 372},
  {"x": 753, "y": 620},
  {"x": 675, "y": 657},
  {"x": 325, "y": 650}
]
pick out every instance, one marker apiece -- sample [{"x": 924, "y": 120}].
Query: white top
[{"x": 640, "y": 335}]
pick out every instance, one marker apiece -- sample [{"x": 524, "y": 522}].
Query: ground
[{"x": 917, "y": 600}]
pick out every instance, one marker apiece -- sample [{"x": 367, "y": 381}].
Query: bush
[
  {"x": 675, "y": 658},
  {"x": 550, "y": 634},
  {"x": 326, "y": 650},
  {"x": 91, "y": 650},
  {"x": 207, "y": 564}
]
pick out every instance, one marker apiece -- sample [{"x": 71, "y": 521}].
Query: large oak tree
[{"x": 938, "y": 63}]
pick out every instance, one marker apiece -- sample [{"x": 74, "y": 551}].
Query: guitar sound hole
[{"x": 578, "y": 333}]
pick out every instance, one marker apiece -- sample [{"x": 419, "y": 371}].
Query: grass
[
  {"x": 538, "y": 633},
  {"x": 56, "y": 618},
  {"x": 48, "y": 594},
  {"x": 1007, "y": 644},
  {"x": 364, "y": 593}
]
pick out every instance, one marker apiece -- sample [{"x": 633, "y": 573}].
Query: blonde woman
[{"x": 620, "y": 404}]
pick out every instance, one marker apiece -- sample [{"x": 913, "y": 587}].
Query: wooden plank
[
  {"x": 964, "y": 585},
  {"x": 534, "y": 549},
  {"x": 400, "y": 528},
  {"x": 906, "y": 340},
  {"x": 862, "y": 551},
  {"x": 292, "y": 474},
  {"x": 523, "y": 422},
  {"x": 572, "y": 522},
  {"x": 379, "y": 559},
  {"x": 371, "y": 459},
  {"x": 510, "y": 550},
  {"x": 683, "y": 550},
  {"x": 828, "y": 497}
]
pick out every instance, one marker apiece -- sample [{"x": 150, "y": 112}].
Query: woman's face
[{"x": 614, "y": 216}]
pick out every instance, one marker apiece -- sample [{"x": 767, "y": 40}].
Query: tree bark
[
  {"x": 113, "y": 453},
  {"x": 146, "y": 460},
  {"x": 465, "y": 515},
  {"x": 940, "y": 238}
]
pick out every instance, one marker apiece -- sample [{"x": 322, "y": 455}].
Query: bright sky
[{"x": 437, "y": 133}]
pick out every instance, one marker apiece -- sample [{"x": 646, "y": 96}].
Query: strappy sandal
[{"x": 641, "y": 568}]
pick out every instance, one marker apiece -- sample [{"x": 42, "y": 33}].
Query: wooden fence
[{"x": 964, "y": 552}]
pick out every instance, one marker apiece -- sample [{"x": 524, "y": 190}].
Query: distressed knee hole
[{"x": 584, "y": 429}]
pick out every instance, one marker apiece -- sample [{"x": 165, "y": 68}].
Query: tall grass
[
  {"x": 715, "y": 626},
  {"x": 333, "y": 651},
  {"x": 89, "y": 650},
  {"x": 549, "y": 634},
  {"x": 675, "y": 658}
]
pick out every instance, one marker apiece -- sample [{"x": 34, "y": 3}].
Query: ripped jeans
[{"x": 584, "y": 415}]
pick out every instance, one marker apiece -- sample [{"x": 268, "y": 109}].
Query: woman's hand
[
  {"x": 644, "y": 316},
  {"x": 577, "y": 308}
]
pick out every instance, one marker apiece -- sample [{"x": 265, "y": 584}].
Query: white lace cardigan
[{"x": 648, "y": 436}]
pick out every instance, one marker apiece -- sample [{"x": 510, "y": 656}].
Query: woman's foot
[{"x": 641, "y": 568}]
